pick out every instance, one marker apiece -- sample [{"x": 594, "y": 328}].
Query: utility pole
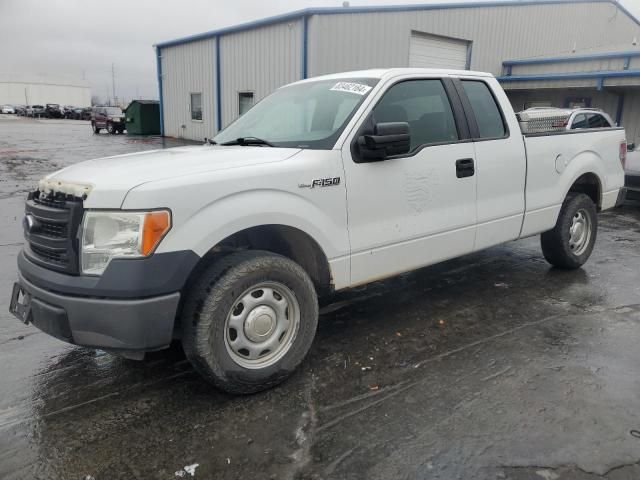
[{"x": 113, "y": 83}]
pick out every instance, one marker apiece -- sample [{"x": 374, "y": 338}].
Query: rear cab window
[
  {"x": 595, "y": 120},
  {"x": 487, "y": 113},
  {"x": 579, "y": 121}
]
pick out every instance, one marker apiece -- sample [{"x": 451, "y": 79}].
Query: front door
[{"x": 415, "y": 209}]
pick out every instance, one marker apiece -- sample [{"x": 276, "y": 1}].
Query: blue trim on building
[
  {"x": 570, "y": 75},
  {"x": 160, "y": 97},
  {"x": 572, "y": 58},
  {"x": 218, "y": 87},
  {"x": 305, "y": 46},
  {"x": 380, "y": 9},
  {"x": 620, "y": 109}
]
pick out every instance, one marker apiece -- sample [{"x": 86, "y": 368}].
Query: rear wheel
[
  {"x": 249, "y": 321},
  {"x": 570, "y": 243},
  {"x": 96, "y": 129}
]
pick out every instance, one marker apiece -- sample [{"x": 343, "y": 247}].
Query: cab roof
[{"x": 382, "y": 73}]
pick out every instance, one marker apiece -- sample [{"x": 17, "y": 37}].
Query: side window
[
  {"x": 485, "y": 109},
  {"x": 595, "y": 120},
  {"x": 580, "y": 121},
  {"x": 196, "y": 106},
  {"x": 424, "y": 105}
]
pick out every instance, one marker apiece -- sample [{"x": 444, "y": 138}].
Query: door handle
[{"x": 465, "y": 167}]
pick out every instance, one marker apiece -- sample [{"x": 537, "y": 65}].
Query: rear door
[
  {"x": 500, "y": 161},
  {"x": 419, "y": 208}
]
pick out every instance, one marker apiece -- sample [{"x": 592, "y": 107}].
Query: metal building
[
  {"x": 35, "y": 90},
  {"x": 545, "y": 52}
]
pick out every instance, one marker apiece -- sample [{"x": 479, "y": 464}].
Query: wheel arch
[
  {"x": 285, "y": 240},
  {"x": 590, "y": 184}
]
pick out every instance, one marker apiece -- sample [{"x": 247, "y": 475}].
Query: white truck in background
[{"x": 326, "y": 184}]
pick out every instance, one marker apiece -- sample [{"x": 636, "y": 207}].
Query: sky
[{"x": 82, "y": 39}]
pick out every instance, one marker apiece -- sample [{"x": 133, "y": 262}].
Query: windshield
[
  {"x": 113, "y": 111},
  {"x": 306, "y": 115}
]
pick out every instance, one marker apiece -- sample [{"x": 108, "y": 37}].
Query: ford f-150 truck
[{"x": 327, "y": 183}]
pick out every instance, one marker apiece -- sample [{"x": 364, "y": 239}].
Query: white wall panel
[
  {"x": 19, "y": 93},
  {"x": 259, "y": 61},
  {"x": 188, "y": 68}
]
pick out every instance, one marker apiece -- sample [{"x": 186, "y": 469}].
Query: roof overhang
[{"x": 573, "y": 75}]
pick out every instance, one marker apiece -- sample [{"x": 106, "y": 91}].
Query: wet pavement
[{"x": 492, "y": 366}]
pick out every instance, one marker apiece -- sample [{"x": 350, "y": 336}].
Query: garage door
[{"x": 432, "y": 51}]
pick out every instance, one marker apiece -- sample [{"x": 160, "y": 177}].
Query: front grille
[
  {"x": 50, "y": 228},
  {"x": 54, "y": 230},
  {"x": 59, "y": 258}
]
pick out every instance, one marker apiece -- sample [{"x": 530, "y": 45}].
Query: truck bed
[{"x": 565, "y": 157}]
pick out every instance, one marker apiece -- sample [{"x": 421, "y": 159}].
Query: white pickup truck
[{"x": 327, "y": 183}]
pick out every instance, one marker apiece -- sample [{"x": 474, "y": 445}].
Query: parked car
[
  {"x": 227, "y": 246},
  {"x": 20, "y": 109},
  {"x": 86, "y": 113},
  {"x": 109, "y": 118},
  {"x": 544, "y": 119},
  {"x": 67, "y": 109},
  {"x": 8, "y": 109},
  {"x": 35, "y": 111},
  {"x": 73, "y": 113},
  {"x": 632, "y": 173},
  {"x": 52, "y": 110}
]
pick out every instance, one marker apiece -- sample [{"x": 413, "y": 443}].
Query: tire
[
  {"x": 111, "y": 129},
  {"x": 569, "y": 245},
  {"x": 121, "y": 131},
  {"x": 96, "y": 129},
  {"x": 224, "y": 296}
]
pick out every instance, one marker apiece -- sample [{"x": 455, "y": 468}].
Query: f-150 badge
[{"x": 321, "y": 182}]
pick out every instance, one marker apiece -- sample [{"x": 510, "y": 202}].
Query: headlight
[{"x": 108, "y": 235}]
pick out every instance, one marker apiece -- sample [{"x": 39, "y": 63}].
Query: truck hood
[{"x": 106, "y": 181}]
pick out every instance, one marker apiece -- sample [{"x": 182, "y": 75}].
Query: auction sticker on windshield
[{"x": 357, "y": 88}]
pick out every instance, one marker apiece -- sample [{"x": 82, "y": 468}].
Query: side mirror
[
  {"x": 388, "y": 139},
  {"x": 631, "y": 147}
]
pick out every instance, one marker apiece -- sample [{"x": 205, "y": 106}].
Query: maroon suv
[{"x": 110, "y": 118}]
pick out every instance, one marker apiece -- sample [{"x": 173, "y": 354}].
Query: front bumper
[
  {"x": 122, "y": 325},
  {"x": 130, "y": 308}
]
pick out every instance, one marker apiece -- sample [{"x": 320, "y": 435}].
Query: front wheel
[
  {"x": 570, "y": 243},
  {"x": 96, "y": 129},
  {"x": 111, "y": 129},
  {"x": 249, "y": 321}
]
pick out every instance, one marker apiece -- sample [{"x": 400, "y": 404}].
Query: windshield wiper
[{"x": 248, "y": 141}]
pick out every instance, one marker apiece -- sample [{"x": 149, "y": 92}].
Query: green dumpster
[{"x": 143, "y": 117}]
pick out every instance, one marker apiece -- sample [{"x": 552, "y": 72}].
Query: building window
[
  {"x": 245, "y": 102},
  {"x": 196, "y": 106}
]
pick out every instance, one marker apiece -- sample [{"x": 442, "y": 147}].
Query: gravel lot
[{"x": 492, "y": 366}]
